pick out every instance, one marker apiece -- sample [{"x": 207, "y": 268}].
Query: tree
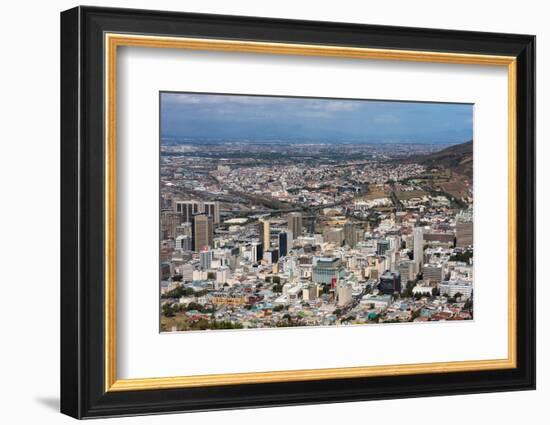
[
  {"x": 168, "y": 310},
  {"x": 195, "y": 306},
  {"x": 462, "y": 256}
]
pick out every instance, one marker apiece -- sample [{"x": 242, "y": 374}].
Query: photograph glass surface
[{"x": 280, "y": 212}]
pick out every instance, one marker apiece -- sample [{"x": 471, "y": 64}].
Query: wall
[{"x": 29, "y": 167}]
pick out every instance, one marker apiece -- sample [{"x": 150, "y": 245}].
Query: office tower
[
  {"x": 335, "y": 235},
  {"x": 190, "y": 208},
  {"x": 406, "y": 269},
  {"x": 295, "y": 224},
  {"x": 309, "y": 292},
  {"x": 265, "y": 234},
  {"x": 326, "y": 270},
  {"x": 271, "y": 256},
  {"x": 432, "y": 273},
  {"x": 350, "y": 234},
  {"x": 382, "y": 246},
  {"x": 187, "y": 209},
  {"x": 222, "y": 274},
  {"x": 283, "y": 244},
  {"x": 212, "y": 209},
  {"x": 203, "y": 232},
  {"x": 183, "y": 243},
  {"x": 391, "y": 255},
  {"x": 268, "y": 256},
  {"x": 464, "y": 230},
  {"x": 344, "y": 294},
  {"x": 205, "y": 259},
  {"x": 184, "y": 229},
  {"x": 169, "y": 221},
  {"x": 187, "y": 272},
  {"x": 418, "y": 248},
  {"x": 395, "y": 243},
  {"x": 257, "y": 252},
  {"x": 390, "y": 282}
]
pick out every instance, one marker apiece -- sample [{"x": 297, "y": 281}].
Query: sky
[{"x": 218, "y": 116}]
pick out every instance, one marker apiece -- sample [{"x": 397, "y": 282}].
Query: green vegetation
[
  {"x": 182, "y": 291},
  {"x": 462, "y": 256},
  {"x": 277, "y": 288}
]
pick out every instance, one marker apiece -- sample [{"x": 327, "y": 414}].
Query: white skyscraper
[
  {"x": 418, "y": 247},
  {"x": 265, "y": 234}
]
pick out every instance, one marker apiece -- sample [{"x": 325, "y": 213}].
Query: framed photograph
[{"x": 261, "y": 212}]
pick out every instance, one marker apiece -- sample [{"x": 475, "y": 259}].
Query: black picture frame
[{"x": 83, "y": 392}]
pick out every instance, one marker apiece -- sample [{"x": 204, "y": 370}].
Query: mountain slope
[{"x": 457, "y": 158}]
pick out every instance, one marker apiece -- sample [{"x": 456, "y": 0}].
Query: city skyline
[
  {"x": 260, "y": 233},
  {"x": 225, "y": 116}
]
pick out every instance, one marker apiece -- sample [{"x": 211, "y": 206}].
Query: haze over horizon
[{"x": 215, "y": 116}]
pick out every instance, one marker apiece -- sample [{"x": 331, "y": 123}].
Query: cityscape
[{"x": 289, "y": 212}]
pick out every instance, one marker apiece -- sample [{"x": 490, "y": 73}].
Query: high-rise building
[
  {"x": 432, "y": 273},
  {"x": 464, "y": 230},
  {"x": 268, "y": 256},
  {"x": 187, "y": 272},
  {"x": 344, "y": 294},
  {"x": 334, "y": 235},
  {"x": 327, "y": 269},
  {"x": 190, "y": 208},
  {"x": 257, "y": 252},
  {"x": 205, "y": 259},
  {"x": 309, "y": 292},
  {"x": 390, "y": 282},
  {"x": 212, "y": 209},
  {"x": 407, "y": 270},
  {"x": 350, "y": 234},
  {"x": 183, "y": 243},
  {"x": 184, "y": 229},
  {"x": 222, "y": 274},
  {"x": 169, "y": 221},
  {"x": 265, "y": 234},
  {"x": 203, "y": 232},
  {"x": 418, "y": 247},
  {"x": 283, "y": 244},
  {"x": 187, "y": 209},
  {"x": 295, "y": 224},
  {"x": 382, "y": 246},
  {"x": 271, "y": 256}
]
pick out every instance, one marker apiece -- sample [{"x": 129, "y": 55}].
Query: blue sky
[{"x": 196, "y": 115}]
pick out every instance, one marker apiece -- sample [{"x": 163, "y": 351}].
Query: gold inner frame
[{"x": 113, "y": 41}]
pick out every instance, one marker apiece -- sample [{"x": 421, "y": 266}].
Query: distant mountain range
[{"x": 458, "y": 158}]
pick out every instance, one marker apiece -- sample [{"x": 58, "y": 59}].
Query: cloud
[
  {"x": 219, "y": 115},
  {"x": 387, "y": 119}
]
